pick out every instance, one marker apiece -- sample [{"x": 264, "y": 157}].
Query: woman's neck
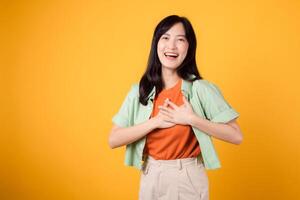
[{"x": 170, "y": 78}]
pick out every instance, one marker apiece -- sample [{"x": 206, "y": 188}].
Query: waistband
[{"x": 177, "y": 163}]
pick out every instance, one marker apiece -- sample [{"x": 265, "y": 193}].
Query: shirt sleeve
[
  {"x": 121, "y": 118},
  {"x": 216, "y": 108}
]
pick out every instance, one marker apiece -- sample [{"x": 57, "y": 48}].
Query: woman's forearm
[
  {"x": 123, "y": 136},
  {"x": 220, "y": 131}
]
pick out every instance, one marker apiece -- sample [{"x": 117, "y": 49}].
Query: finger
[
  {"x": 164, "y": 108},
  {"x": 168, "y": 119},
  {"x": 169, "y": 110},
  {"x": 165, "y": 104},
  {"x": 173, "y": 105},
  {"x": 166, "y": 114}
]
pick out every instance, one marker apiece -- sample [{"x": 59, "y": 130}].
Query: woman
[{"x": 167, "y": 120}]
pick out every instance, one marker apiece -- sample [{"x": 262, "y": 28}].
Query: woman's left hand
[{"x": 178, "y": 114}]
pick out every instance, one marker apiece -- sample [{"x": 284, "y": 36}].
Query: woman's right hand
[{"x": 161, "y": 120}]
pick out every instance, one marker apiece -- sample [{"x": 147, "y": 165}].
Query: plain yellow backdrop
[{"x": 66, "y": 67}]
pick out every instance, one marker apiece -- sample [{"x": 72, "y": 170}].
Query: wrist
[
  {"x": 152, "y": 123},
  {"x": 190, "y": 119},
  {"x": 193, "y": 118}
]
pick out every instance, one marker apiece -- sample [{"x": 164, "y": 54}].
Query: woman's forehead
[{"x": 177, "y": 30}]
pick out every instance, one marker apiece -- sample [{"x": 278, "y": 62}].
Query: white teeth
[{"x": 171, "y": 54}]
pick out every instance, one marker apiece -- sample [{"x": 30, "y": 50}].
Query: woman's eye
[
  {"x": 164, "y": 38},
  {"x": 181, "y": 39}
]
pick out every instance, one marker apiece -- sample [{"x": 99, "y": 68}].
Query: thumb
[{"x": 165, "y": 102}]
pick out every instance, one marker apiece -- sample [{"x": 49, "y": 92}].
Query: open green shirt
[{"x": 207, "y": 102}]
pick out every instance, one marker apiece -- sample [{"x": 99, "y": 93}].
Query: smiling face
[{"x": 172, "y": 47}]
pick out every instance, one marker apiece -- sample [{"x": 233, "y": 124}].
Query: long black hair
[{"x": 152, "y": 76}]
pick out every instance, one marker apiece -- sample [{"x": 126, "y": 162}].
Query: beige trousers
[{"x": 179, "y": 179}]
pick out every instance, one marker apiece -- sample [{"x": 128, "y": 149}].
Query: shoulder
[
  {"x": 206, "y": 89},
  {"x": 205, "y": 85},
  {"x": 134, "y": 90}
]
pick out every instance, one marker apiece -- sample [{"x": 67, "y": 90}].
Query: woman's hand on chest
[{"x": 177, "y": 114}]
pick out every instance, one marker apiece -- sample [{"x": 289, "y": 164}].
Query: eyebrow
[{"x": 176, "y": 35}]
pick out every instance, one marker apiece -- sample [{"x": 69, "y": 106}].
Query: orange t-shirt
[{"x": 174, "y": 142}]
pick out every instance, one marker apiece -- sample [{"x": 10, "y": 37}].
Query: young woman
[{"x": 167, "y": 120}]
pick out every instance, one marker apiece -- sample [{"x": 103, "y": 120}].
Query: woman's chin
[{"x": 170, "y": 65}]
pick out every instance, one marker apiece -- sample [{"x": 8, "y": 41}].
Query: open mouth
[{"x": 171, "y": 55}]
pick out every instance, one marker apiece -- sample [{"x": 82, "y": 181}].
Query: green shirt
[{"x": 207, "y": 102}]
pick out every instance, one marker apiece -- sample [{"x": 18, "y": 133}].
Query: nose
[{"x": 171, "y": 44}]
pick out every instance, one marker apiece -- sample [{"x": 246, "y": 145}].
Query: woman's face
[{"x": 172, "y": 47}]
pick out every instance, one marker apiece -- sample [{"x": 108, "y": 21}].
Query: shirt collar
[{"x": 186, "y": 88}]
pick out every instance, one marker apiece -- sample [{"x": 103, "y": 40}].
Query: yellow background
[{"x": 66, "y": 67}]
